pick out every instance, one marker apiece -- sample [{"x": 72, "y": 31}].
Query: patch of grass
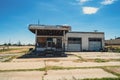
[
  {"x": 53, "y": 60},
  {"x": 117, "y": 50},
  {"x": 82, "y": 59},
  {"x": 115, "y": 59},
  {"x": 10, "y": 49},
  {"x": 39, "y": 69},
  {"x": 68, "y": 68},
  {"x": 100, "y": 60},
  {"x": 10, "y": 58},
  {"x": 6, "y": 58},
  {"x": 56, "y": 68}
]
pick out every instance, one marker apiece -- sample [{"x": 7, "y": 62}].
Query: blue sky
[{"x": 82, "y": 15}]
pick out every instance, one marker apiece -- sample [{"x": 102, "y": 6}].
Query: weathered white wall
[{"x": 84, "y": 37}]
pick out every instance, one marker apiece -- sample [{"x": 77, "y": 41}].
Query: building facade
[{"x": 61, "y": 38}]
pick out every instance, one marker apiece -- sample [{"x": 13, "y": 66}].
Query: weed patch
[{"x": 100, "y": 60}]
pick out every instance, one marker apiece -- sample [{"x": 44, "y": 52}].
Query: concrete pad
[
  {"x": 28, "y": 75},
  {"x": 81, "y": 64},
  {"x": 21, "y": 65},
  {"x": 94, "y": 55},
  {"x": 77, "y": 74}
]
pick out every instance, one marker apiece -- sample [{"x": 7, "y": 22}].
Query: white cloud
[
  {"x": 90, "y": 10},
  {"x": 82, "y": 1},
  {"x": 107, "y": 2}
]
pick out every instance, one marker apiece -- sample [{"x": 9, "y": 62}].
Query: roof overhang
[{"x": 49, "y": 29}]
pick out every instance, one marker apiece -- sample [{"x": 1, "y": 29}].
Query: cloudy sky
[{"x": 82, "y": 15}]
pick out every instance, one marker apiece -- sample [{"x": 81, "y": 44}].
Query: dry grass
[
  {"x": 53, "y": 60},
  {"x": 114, "y": 46},
  {"x": 13, "y": 52},
  {"x": 16, "y": 49}
]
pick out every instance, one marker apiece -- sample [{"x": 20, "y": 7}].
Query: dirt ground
[{"x": 80, "y": 69}]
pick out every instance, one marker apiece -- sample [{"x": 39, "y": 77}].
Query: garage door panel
[
  {"x": 74, "y": 44},
  {"x": 95, "y": 45},
  {"x": 74, "y": 47}
]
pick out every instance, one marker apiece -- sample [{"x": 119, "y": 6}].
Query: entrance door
[{"x": 49, "y": 44}]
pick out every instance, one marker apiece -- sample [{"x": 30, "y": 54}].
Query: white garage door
[
  {"x": 74, "y": 47},
  {"x": 74, "y": 44},
  {"x": 95, "y": 45}
]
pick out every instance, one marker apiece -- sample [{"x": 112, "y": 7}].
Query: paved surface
[
  {"x": 56, "y": 74},
  {"x": 77, "y": 73},
  {"x": 35, "y": 63},
  {"x": 81, "y": 64},
  {"x": 40, "y": 64},
  {"x": 29, "y": 75},
  {"x": 94, "y": 55},
  {"x": 21, "y": 65}
]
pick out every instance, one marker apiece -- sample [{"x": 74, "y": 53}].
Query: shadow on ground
[{"x": 34, "y": 54}]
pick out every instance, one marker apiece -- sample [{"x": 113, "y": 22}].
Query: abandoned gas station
[{"x": 62, "y": 38}]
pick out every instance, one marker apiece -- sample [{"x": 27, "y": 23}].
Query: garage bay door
[
  {"x": 74, "y": 44},
  {"x": 95, "y": 44}
]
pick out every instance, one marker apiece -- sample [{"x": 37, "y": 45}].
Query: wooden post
[
  {"x": 64, "y": 41},
  {"x": 35, "y": 39}
]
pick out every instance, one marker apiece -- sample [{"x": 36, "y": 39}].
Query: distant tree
[
  {"x": 14, "y": 44},
  {"x": 19, "y": 43},
  {"x": 9, "y": 44},
  {"x": 29, "y": 44},
  {"x": 5, "y": 44}
]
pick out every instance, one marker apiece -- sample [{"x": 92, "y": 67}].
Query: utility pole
[
  {"x": 38, "y": 22},
  {"x": 95, "y": 30}
]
